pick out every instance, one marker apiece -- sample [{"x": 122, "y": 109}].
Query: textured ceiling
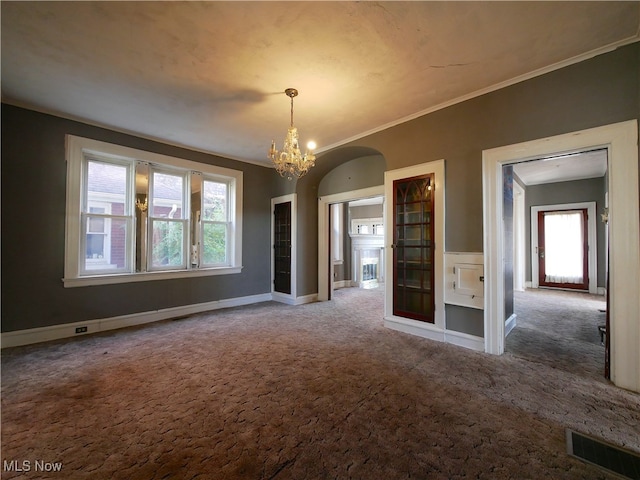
[{"x": 211, "y": 75}]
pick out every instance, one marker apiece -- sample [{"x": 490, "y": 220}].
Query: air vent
[{"x": 607, "y": 456}]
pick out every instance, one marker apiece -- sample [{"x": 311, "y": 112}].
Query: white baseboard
[
  {"x": 420, "y": 329},
  {"x": 283, "y": 298},
  {"x": 510, "y": 324},
  {"x": 414, "y": 327},
  {"x": 465, "y": 340},
  {"x": 313, "y": 297},
  {"x": 56, "y": 332},
  {"x": 291, "y": 300},
  {"x": 602, "y": 291},
  {"x": 341, "y": 284}
]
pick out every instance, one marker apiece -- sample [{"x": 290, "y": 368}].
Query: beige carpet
[{"x": 317, "y": 391}]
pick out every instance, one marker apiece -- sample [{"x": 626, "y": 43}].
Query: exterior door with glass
[{"x": 563, "y": 247}]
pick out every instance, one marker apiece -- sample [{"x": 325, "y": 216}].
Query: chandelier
[{"x": 290, "y": 161}]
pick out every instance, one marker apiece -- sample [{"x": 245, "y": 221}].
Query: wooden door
[
  {"x": 282, "y": 247},
  {"x": 580, "y": 248},
  {"x": 413, "y": 249}
]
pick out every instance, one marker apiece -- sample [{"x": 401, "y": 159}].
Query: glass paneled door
[
  {"x": 413, "y": 249},
  {"x": 282, "y": 247}
]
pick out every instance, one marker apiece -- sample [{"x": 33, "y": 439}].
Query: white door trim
[
  {"x": 435, "y": 331},
  {"x": 278, "y": 296},
  {"x": 591, "y": 240},
  {"x": 519, "y": 254},
  {"x": 621, "y": 140}
]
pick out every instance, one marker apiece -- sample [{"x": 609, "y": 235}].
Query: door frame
[
  {"x": 279, "y": 296},
  {"x": 325, "y": 287},
  {"x": 519, "y": 249},
  {"x": 436, "y": 330},
  {"x": 621, "y": 140},
  {"x": 592, "y": 234}
]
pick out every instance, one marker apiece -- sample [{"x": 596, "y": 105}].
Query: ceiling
[
  {"x": 563, "y": 168},
  {"x": 211, "y": 75}
]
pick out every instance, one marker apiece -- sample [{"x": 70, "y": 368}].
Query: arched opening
[{"x": 354, "y": 178}]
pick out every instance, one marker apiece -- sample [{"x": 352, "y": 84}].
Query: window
[
  {"x": 136, "y": 216},
  {"x": 367, "y": 226},
  {"x": 337, "y": 239}
]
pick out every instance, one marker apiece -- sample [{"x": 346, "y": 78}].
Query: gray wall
[
  {"x": 366, "y": 211},
  {"x": 590, "y": 190},
  {"x": 599, "y": 91},
  {"x": 33, "y": 227}
]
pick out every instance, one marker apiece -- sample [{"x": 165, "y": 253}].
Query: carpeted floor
[
  {"x": 317, "y": 391},
  {"x": 560, "y": 329}
]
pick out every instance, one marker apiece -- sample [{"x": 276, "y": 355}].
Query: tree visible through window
[{"x": 215, "y": 223}]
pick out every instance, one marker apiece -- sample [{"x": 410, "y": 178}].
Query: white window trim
[
  {"x": 184, "y": 219},
  {"x": 369, "y": 222},
  {"x": 76, "y": 147},
  {"x": 106, "y": 216},
  {"x": 228, "y": 223}
]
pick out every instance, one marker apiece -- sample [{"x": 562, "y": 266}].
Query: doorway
[
  {"x": 624, "y": 237},
  {"x": 588, "y": 249},
  {"x": 563, "y": 249},
  {"x": 325, "y": 262},
  {"x": 283, "y": 248}
]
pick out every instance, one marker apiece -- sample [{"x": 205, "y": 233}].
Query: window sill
[{"x": 146, "y": 276}]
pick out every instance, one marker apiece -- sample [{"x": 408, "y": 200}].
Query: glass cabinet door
[
  {"x": 413, "y": 255},
  {"x": 282, "y": 247}
]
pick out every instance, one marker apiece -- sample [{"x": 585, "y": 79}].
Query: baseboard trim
[
  {"x": 341, "y": 284},
  {"x": 291, "y": 300},
  {"x": 414, "y": 327},
  {"x": 420, "y": 329},
  {"x": 283, "y": 298},
  {"x": 465, "y": 340},
  {"x": 313, "y": 297},
  {"x": 67, "y": 330},
  {"x": 510, "y": 324}
]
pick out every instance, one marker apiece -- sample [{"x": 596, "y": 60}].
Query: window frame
[
  {"x": 184, "y": 219},
  {"x": 228, "y": 223},
  {"x": 79, "y": 147}
]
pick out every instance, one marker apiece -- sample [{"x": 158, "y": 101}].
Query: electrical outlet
[{"x": 81, "y": 329}]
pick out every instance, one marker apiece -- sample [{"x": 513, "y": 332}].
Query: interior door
[
  {"x": 413, "y": 249},
  {"x": 563, "y": 260},
  {"x": 282, "y": 247}
]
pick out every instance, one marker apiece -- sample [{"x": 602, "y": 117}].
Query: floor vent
[{"x": 616, "y": 460}]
